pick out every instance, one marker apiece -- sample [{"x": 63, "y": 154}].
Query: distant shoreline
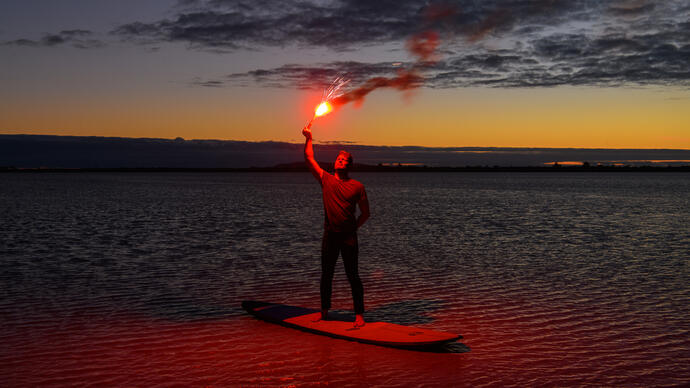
[
  {"x": 68, "y": 153},
  {"x": 360, "y": 168}
]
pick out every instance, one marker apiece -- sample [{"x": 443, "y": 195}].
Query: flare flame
[
  {"x": 330, "y": 93},
  {"x": 323, "y": 109}
]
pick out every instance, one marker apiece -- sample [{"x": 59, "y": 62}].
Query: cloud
[
  {"x": 550, "y": 61},
  {"x": 208, "y": 83},
  {"x": 76, "y": 38},
  {"x": 248, "y": 24},
  {"x": 632, "y": 8},
  {"x": 335, "y": 24},
  {"x": 305, "y": 77},
  {"x": 508, "y": 43}
]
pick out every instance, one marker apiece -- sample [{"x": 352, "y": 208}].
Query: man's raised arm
[{"x": 309, "y": 155}]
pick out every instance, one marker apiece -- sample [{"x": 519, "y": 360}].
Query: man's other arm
[{"x": 364, "y": 210}]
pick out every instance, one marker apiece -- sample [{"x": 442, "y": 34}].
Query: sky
[{"x": 491, "y": 73}]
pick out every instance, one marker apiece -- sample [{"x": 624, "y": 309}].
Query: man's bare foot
[
  {"x": 359, "y": 321},
  {"x": 322, "y": 317}
]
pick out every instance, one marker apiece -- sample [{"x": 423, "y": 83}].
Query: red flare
[{"x": 323, "y": 109}]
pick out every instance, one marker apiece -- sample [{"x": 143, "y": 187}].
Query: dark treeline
[
  {"x": 365, "y": 168},
  {"x": 126, "y": 154}
]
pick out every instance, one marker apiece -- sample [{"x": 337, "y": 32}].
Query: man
[{"x": 341, "y": 196}]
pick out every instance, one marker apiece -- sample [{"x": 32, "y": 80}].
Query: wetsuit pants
[{"x": 332, "y": 245}]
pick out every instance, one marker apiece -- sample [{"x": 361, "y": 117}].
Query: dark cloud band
[
  {"x": 548, "y": 42},
  {"x": 545, "y": 42},
  {"x": 76, "y": 38}
]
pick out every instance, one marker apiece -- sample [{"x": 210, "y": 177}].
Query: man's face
[{"x": 341, "y": 162}]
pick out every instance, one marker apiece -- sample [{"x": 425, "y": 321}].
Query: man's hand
[{"x": 306, "y": 131}]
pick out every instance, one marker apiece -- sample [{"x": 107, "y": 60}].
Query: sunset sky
[{"x": 515, "y": 73}]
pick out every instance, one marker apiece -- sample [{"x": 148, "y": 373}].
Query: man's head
[{"x": 343, "y": 161}]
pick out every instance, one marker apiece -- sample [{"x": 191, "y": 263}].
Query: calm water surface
[{"x": 553, "y": 279}]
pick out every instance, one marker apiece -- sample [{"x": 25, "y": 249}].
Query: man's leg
[
  {"x": 329, "y": 256},
  {"x": 350, "y": 251}
]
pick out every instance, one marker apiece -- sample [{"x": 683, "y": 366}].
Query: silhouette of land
[
  {"x": 328, "y": 166},
  {"x": 78, "y": 153}
]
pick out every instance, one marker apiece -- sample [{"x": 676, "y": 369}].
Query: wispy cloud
[
  {"x": 510, "y": 43},
  {"x": 247, "y": 24},
  {"x": 341, "y": 24},
  {"x": 76, "y": 38}
]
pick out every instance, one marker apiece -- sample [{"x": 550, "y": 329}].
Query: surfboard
[{"x": 377, "y": 333}]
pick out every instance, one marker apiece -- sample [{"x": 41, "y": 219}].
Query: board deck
[{"x": 378, "y": 333}]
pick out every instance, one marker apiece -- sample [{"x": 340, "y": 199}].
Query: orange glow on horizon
[{"x": 564, "y": 117}]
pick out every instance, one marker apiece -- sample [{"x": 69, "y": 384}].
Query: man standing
[{"x": 341, "y": 196}]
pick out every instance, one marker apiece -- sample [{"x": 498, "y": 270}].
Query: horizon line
[{"x": 340, "y": 143}]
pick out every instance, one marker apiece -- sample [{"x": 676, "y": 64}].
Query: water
[{"x": 553, "y": 279}]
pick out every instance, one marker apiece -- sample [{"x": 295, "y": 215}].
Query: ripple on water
[{"x": 552, "y": 279}]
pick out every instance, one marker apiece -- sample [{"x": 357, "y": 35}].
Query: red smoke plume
[
  {"x": 422, "y": 45},
  {"x": 406, "y": 80}
]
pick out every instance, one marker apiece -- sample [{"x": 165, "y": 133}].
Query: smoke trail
[
  {"x": 406, "y": 80},
  {"x": 423, "y": 46}
]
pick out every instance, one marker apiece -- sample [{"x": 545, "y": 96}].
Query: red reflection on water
[
  {"x": 127, "y": 349},
  {"x": 519, "y": 341}
]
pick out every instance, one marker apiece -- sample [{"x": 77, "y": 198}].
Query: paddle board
[{"x": 377, "y": 333}]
